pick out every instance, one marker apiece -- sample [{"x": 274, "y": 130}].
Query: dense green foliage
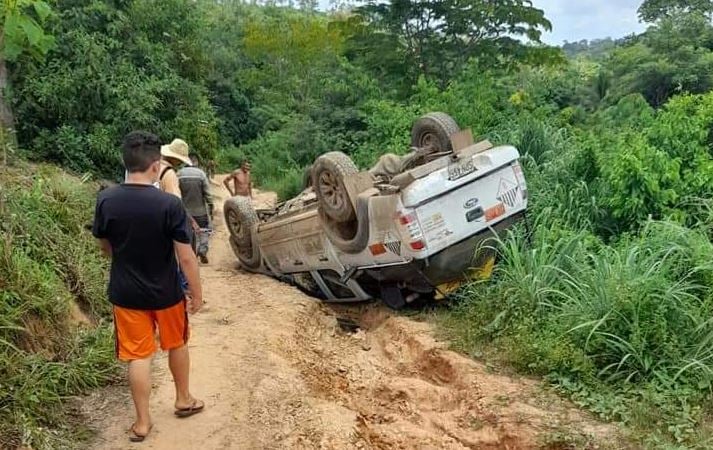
[
  {"x": 111, "y": 72},
  {"x": 653, "y": 10},
  {"x": 22, "y": 28},
  {"x": 435, "y": 39},
  {"x": 51, "y": 274},
  {"x": 595, "y": 49},
  {"x": 609, "y": 296}
]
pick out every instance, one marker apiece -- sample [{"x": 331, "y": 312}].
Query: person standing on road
[
  {"x": 195, "y": 190},
  {"x": 173, "y": 155},
  {"x": 210, "y": 168},
  {"x": 144, "y": 230},
  {"x": 241, "y": 181}
]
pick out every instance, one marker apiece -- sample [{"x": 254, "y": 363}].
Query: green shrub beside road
[{"x": 55, "y": 338}]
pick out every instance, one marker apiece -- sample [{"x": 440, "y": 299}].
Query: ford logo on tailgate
[{"x": 471, "y": 203}]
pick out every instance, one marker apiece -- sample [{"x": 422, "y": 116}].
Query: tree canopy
[
  {"x": 653, "y": 10},
  {"x": 437, "y": 37}
]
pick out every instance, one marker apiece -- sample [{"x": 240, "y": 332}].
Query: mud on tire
[
  {"x": 242, "y": 221},
  {"x": 435, "y": 130},
  {"x": 328, "y": 173},
  {"x": 357, "y": 237}
]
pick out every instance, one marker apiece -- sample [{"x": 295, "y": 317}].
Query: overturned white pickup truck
[{"x": 398, "y": 231}]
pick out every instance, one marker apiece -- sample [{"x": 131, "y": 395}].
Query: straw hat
[{"x": 177, "y": 149}]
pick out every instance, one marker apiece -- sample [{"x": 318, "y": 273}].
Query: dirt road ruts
[{"x": 277, "y": 371}]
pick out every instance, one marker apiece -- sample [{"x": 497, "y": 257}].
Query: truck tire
[
  {"x": 434, "y": 130},
  {"x": 357, "y": 242},
  {"x": 242, "y": 222},
  {"x": 328, "y": 173}
]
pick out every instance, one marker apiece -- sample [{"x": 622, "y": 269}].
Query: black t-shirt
[{"x": 141, "y": 222}]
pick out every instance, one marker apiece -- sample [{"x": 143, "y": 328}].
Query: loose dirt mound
[
  {"x": 278, "y": 371},
  {"x": 407, "y": 391}
]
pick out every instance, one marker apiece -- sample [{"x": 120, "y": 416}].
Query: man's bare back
[{"x": 241, "y": 182}]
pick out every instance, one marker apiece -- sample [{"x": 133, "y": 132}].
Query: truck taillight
[
  {"x": 405, "y": 219},
  {"x": 418, "y": 245},
  {"x": 411, "y": 230}
]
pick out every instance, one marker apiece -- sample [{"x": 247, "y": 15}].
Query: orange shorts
[{"x": 136, "y": 330}]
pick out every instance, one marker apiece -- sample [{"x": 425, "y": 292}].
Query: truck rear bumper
[{"x": 452, "y": 263}]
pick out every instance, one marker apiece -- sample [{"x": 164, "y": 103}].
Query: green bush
[
  {"x": 388, "y": 131},
  {"x": 635, "y": 315},
  {"x": 48, "y": 262},
  {"x": 113, "y": 71},
  {"x": 639, "y": 181}
]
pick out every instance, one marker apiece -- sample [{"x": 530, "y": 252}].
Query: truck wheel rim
[
  {"x": 331, "y": 190},
  {"x": 236, "y": 228},
  {"x": 428, "y": 140},
  {"x": 240, "y": 251}
]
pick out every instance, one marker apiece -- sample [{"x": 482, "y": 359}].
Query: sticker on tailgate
[
  {"x": 508, "y": 193},
  {"x": 435, "y": 228}
]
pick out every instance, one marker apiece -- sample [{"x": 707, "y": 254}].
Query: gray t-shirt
[{"x": 195, "y": 191}]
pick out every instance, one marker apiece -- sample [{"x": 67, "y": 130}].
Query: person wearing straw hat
[{"x": 173, "y": 155}]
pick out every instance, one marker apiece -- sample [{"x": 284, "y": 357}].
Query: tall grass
[
  {"x": 48, "y": 261},
  {"x": 636, "y": 315}
]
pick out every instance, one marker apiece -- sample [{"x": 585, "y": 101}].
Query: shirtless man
[{"x": 241, "y": 180}]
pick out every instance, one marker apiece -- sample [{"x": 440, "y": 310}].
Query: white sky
[{"x": 573, "y": 20}]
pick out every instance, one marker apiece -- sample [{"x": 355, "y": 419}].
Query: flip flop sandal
[
  {"x": 136, "y": 437},
  {"x": 195, "y": 408}
]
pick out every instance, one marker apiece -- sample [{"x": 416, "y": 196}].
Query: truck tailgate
[{"x": 473, "y": 207}]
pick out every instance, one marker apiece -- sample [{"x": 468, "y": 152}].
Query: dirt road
[{"x": 276, "y": 371}]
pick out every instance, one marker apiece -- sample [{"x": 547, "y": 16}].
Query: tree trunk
[{"x": 7, "y": 120}]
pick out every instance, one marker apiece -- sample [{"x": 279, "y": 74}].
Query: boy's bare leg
[
  {"x": 140, "y": 382},
  {"x": 180, "y": 364}
]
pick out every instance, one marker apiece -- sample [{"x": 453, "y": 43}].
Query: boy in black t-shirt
[{"x": 143, "y": 229}]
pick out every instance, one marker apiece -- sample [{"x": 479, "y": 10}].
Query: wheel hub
[
  {"x": 236, "y": 228},
  {"x": 428, "y": 140},
  {"x": 331, "y": 190}
]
